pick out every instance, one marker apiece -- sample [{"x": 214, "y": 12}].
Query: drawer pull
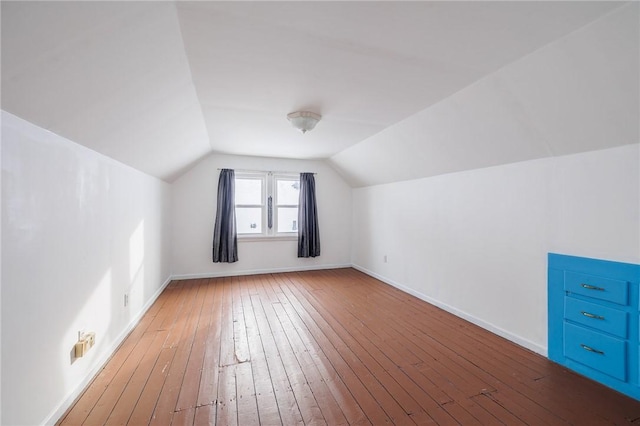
[
  {"x": 590, "y": 315},
  {"x": 590, "y": 349},
  {"x": 591, "y": 287}
]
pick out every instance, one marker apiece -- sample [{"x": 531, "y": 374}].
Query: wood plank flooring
[{"x": 331, "y": 347}]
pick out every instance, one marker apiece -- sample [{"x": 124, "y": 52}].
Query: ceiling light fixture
[{"x": 304, "y": 120}]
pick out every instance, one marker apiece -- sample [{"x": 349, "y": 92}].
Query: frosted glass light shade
[{"x": 304, "y": 120}]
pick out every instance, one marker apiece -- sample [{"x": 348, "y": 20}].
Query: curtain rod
[{"x": 265, "y": 171}]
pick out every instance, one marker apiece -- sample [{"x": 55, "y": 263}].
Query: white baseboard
[
  {"x": 257, "y": 271},
  {"x": 71, "y": 397},
  {"x": 459, "y": 313},
  {"x": 100, "y": 362}
]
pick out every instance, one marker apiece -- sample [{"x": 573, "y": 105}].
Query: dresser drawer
[
  {"x": 596, "y": 350},
  {"x": 609, "y": 320},
  {"x": 615, "y": 291}
]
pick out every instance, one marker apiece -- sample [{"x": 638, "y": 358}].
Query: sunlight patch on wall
[
  {"x": 136, "y": 268},
  {"x": 95, "y": 315}
]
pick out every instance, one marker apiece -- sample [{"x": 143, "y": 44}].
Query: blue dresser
[{"x": 594, "y": 316}]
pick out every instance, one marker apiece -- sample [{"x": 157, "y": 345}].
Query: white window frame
[
  {"x": 276, "y": 204},
  {"x": 269, "y": 189},
  {"x": 262, "y": 205}
]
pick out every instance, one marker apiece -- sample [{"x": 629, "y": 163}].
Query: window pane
[
  {"x": 287, "y": 219},
  {"x": 288, "y": 191},
  {"x": 249, "y": 220},
  {"x": 248, "y": 191}
]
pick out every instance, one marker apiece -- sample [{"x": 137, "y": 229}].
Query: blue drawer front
[
  {"x": 597, "y": 287},
  {"x": 595, "y": 350},
  {"x": 609, "y": 320},
  {"x": 588, "y": 344}
]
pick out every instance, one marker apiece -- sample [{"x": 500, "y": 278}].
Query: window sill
[{"x": 264, "y": 238}]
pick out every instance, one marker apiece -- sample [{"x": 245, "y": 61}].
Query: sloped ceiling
[
  {"x": 580, "y": 93},
  {"x": 160, "y": 85}
]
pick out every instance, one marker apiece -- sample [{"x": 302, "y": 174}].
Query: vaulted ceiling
[{"x": 160, "y": 85}]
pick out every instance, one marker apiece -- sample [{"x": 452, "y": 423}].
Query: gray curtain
[
  {"x": 225, "y": 239},
  {"x": 308, "y": 233}
]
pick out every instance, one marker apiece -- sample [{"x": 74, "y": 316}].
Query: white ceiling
[
  {"x": 579, "y": 93},
  {"x": 160, "y": 85}
]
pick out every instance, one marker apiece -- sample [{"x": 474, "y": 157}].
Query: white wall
[
  {"x": 194, "y": 209},
  {"x": 476, "y": 242},
  {"x": 79, "y": 230},
  {"x": 1, "y": 119}
]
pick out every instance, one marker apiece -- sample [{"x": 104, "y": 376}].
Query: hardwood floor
[{"x": 328, "y": 347}]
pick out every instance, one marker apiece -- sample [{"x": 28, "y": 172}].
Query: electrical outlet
[
  {"x": 385, "y": 258},
  {"x": 85, "y": 342},
  {"x": 90, "y": 338},
  {"x": 126, "y": 300}
]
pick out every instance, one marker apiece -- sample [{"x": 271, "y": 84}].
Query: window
[
  {"x": 287, "y": 192},
  {"x": 250, "y": 206},
  {"x": 267, "y": 204}
]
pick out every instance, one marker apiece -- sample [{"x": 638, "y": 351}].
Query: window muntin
[{"x": 253, "y": 191}]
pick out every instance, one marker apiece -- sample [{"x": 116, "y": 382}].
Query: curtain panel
[
  {"x": 225, "y": 238},
  {"x": 308, "y": 232}
]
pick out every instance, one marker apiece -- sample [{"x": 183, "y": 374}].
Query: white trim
[
  {"x": 269, "y": 191},
  {"x": 258, "y": 271},
  {"x": 71, "y": 397},
  {"x": 248, "y": 238},
  {"x": 459, "y": 313}
]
